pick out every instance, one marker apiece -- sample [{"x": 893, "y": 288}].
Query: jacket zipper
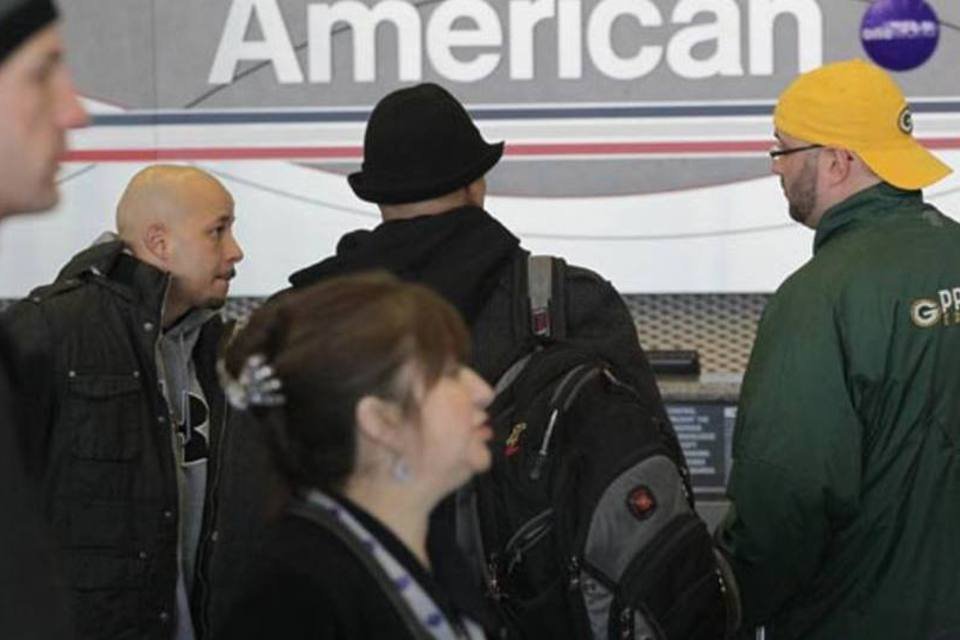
[
  {"x": 207, "y": 538},
  {"x": 206, "y": 535},
  {"x": 160, "y": 370},
  {"x": 208, "y": 530}
]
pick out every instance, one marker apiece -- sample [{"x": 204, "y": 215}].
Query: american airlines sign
[
  {"x": 593, "y": 97},
  {"x": 467, "y": 40},
  {"x": 636, "y": 130}
]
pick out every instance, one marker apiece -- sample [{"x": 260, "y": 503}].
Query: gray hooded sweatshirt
[{"x": 191, "y": 415}]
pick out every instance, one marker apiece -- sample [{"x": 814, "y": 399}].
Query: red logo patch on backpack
[{"x": 641, "y": 502}]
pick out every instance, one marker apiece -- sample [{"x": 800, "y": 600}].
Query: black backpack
[{"x": 584, "y": 527}]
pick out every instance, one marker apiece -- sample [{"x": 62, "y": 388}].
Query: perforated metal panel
[{"x": 721, "y": 327}]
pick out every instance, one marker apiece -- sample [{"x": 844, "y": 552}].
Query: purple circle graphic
[{"x": 900, "y": 34}]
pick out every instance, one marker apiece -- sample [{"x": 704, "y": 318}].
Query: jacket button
[
  {"x": 162, "y": 419},
  {"x": 168, "y": 514},
  {"x": 164, "y": 617},
  {"x": 148, "y": 326},
  {"x": 143, "y": 555},
  {"x": 214, "y": 536}
]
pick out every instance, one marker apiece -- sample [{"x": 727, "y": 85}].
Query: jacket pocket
[
  {"x": 103, "y": 412},
  {"x": 107, "y": 591},
  {"x": 104, "y": 569}
]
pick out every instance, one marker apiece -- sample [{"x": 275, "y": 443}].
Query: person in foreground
[
  {"x": 845, "y": 487},
  {"x": 373, "y": 418},
  {"x": 38, "y": 105},
  {"x": 123, "y": 405}
]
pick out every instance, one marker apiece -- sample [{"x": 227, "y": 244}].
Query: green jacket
[{"x": 845, "y": 489}]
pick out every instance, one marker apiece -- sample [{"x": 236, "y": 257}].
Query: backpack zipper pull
[{"x": 541, "y": 458}]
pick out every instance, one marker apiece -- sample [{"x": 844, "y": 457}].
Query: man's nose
[
  {"x": 70, "y": 112},
  {"x": 235, "y": 253}
]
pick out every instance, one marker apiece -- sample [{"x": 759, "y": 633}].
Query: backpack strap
[
  {"x": 511, "y": 374},
  {"x": 539, "y": 290},
  {"x": 470, "y": 539},
  {"x": 538, "y": 300},
  {"x": 546, "y": 299},
  {"x": 321, "y": 518}
]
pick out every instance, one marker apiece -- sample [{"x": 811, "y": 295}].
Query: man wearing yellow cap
[{"x": 845, "y": 490}]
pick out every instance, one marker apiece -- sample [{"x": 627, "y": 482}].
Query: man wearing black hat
[
  {"x": 424, "y": 165},
  {"x": 37, "y": 105}
]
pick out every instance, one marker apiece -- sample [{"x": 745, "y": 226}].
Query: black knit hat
[
  {"x": 420, "y": 143},
  {"x": 20, "y": 19}
]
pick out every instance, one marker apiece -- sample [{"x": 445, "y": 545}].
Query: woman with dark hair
[{"x": 373, "y": 419}]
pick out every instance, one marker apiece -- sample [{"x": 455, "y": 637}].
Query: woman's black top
[{"x": 309, "y": 584}]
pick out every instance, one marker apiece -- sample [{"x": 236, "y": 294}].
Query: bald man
[{"x": 126, "y": 417}]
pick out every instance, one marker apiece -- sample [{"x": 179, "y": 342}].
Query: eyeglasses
[{"x": 776, "y": 151}]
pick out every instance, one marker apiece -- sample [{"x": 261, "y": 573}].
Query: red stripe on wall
[{"x": 213, "y": 153}]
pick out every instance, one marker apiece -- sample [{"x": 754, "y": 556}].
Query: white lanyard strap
[{"x": 413, "y": 594}]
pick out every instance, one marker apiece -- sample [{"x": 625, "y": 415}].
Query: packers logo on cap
[{"x": 905, "y": 120}]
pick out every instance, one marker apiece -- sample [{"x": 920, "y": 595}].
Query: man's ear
[
  {"x": 155, "y": 241},
  {"x": 381, "y": 421},
  {"x": 841, "y": 164}
]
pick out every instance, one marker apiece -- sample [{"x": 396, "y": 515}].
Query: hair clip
[{"x": 256, "y": 386}]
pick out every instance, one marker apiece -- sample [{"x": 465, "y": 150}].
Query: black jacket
[
  {"x": 33, "y": 602},
  {"x": 98, "y": 433},
  {"x": 309, "y": 584}
]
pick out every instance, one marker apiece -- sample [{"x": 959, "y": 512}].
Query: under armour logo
[{"x": 195, "y": 428}]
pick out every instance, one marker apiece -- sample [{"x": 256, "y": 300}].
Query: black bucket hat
[
  {"x": 420, "y": 143},
  {"x": 20, "y": 19}
]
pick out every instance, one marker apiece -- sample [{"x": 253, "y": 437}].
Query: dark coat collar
[
  {"x": 134, "y": 279},
  {"x": 459, "y": 254}
]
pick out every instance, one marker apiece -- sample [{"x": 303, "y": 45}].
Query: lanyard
[{"x": 412, "y": 593}]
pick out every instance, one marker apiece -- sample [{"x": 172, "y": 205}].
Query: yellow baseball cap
[{"x": 856, "y": 105}]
